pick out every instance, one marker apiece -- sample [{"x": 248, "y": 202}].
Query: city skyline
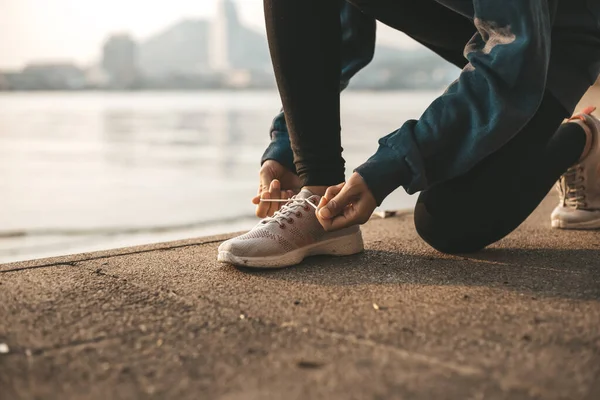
[{"x": 73, "y": 30}]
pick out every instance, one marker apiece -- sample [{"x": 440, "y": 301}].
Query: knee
[{"x": 447, "y": 233}]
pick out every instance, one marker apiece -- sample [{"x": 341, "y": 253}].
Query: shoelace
[
  {"x": 290, "y": 207},
  {"x": 571, "y": 189}
]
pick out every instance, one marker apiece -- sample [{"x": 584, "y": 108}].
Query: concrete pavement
[{"x": 520, "y": 320}]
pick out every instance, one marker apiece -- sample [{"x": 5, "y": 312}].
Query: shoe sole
[
  {"x": 586, "y": 225},
  {"x": 342, "y": 246}
]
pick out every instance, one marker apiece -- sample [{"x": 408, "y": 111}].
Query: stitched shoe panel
[
  {"x": 288, "y": 236},
  {"x": 579, "y": 186}
]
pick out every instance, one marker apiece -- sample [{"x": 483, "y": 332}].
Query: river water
[{"x": 91, "y": 171}]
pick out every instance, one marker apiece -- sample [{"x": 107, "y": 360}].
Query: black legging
[{"x": 461, "y": 215}]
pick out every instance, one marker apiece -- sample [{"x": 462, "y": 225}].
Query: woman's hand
[
  {"x": 346, "y": 204},
  {"x": 276, "y": 182}
]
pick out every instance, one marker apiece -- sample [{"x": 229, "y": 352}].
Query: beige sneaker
[
  {"x": 289, "y": 236},
  {"x": 579, "y": 187}
]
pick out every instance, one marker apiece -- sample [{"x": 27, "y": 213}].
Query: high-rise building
[
  {"x": 221, "y": 45},
  {"x": 224, "y": 37},
  {"x": 120, "y": 61}
]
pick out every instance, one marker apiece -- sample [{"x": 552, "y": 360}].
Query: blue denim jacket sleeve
[
  {"x": 358, "y": 46},
  {"x": 496, "y": 94}
]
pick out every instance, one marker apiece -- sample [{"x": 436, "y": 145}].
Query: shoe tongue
[{"x": 304, "y": 194}]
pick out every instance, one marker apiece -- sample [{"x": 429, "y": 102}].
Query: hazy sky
[{"x": 54, "y": 30}]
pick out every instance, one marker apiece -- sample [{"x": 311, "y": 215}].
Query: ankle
[
  {"x": 588, "y": 136},
  {"x": 318, "y": 190}
]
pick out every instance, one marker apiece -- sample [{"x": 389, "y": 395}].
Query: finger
[
  {"x": 275, "y": 191},
  {"x": 256, "y": 199},
  {"x": 277, "y": 205},
  {"x": 335, "y": 204},
  {"x": 333, "y": 191},
  {"x": 265, "y": 179},
  {"x": 339, "y": 222},
  {"x": 263, "y": 206},
  {"x": 330, "y": 193},
  {"x": 354, "y": 214},
  {"x": 350, "y": 217}
]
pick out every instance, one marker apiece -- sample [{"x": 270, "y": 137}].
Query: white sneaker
[
  {"x": 289, "y": 236},
  {"x": 579, "y": 187}
]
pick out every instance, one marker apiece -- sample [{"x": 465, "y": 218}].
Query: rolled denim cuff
[{"x": 280, "y": 150}]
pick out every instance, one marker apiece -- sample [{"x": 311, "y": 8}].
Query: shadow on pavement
[{"x": 545, "y": 272}]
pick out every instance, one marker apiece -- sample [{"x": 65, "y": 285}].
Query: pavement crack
[
  {"x": 463, "y": 370},
  {"x": 102, "y": 257},
  {"x": 60, "y": 264},
  {"x": 100, "y": 272},
  {"x": 460, "y": 369}
]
